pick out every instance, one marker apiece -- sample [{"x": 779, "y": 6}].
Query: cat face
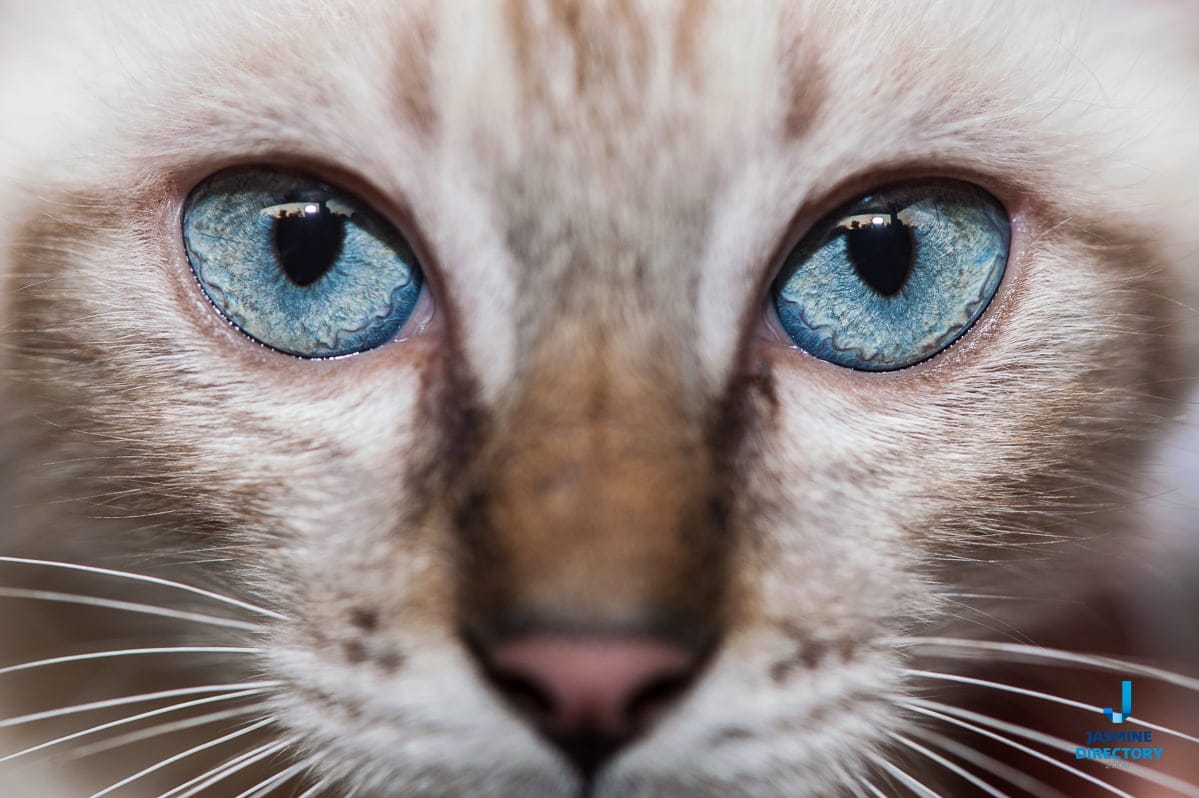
[{"x": 595, "y": 450}]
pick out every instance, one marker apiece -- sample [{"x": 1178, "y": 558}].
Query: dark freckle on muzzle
[
  {"x": 729, "y": 734},
  {"x": 355, "y": 652},
  {"x": 809, "y": 654},
  {"x": 384, "y": 657},
  {"x": 365, "y": 619}
]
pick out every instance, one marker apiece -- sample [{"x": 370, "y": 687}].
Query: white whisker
[
  {"x": 181, "y": 756},
  {"x": 162, "y": 729},
  {"x": 134, "y": 719},
  {"x": 1007, "y": 688},
  {"x": 270, "y": 784},
  {"x": 1006, "y": 597},
  {"x": 992, "y": 622},
  {"x": 905, "y": 778},
  {"x": 314, "y": 789},
  {"x": 136, "y": 699},
  {"x": 849, "y": 781},
  {"x": 1061, "y": 745},
  {"x": 1050, "y": 656},
  {"x": 1020, "y": 747},
  {"x": 875, "y": 791},
  {"x": 225, "y": 769},
  {"x": 951, "y": 766},
  {"x": 127, "y": 652},
  {"x": 152, "y": 580},
  {"x": 989, "y": 764},
  {"x": 125, "y": 606}
]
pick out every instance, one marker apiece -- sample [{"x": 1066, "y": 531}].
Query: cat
[{"x": 425, "y": 398}]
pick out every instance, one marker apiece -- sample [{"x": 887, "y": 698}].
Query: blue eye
[
  {"x": 895, "y": 277},
  {"x": 299, "y": 265}
]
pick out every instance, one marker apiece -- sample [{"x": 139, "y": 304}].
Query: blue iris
[
  {"x": 894, "y": 277},
  {"x": 299, "y": 265}
]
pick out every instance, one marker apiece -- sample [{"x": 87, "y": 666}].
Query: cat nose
[{"x": 590, "y": 696}]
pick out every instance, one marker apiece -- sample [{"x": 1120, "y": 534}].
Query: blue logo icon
[{"x": 1125, "y": 704}]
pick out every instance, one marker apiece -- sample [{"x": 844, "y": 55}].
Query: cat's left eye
[
  {"x": 299, "y": 265},
  {"x": 896, "y": 276}
]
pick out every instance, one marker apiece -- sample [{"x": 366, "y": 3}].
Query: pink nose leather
[{"x": 605, "y": 689}]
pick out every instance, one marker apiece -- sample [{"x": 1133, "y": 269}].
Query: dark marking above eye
[
  {"x": 308, "y": 240},
  {"x": 880, "y": 248}
]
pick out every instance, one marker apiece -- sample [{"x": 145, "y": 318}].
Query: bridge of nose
[{"x": 595, "y": 504}]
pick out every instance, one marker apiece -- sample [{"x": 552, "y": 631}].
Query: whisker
[
  {"x": 849, "y": 781},
  {"x": 152, "y": 580},
  {"x": 1052, "y": 656},
  {"x": 137, "y": 699},
  {"x": 875, "y": 791},
  {"x": 126, "y": 606},
  {"x": 1061, "y": 745},
  {"x": 127, "y": 652},
  {"x": 181, "y": 756},
  {"x": 905, "y": 778},
  {"x": 225, "y": 769},
  {"x": 134, "y": 719},
  {"x": 270, "y": 784},
  {"x": 1020, "y": 747},
  {"x": 989, "y": 621},
  {"x": 1006, "y": 597},
  {"x": 951, "y": 766},
  {"x": 1007, "y": 688},
  {"x": 314, "y": 789},
  {"x": 161, "y": 730},
  {"x": 989, "y": 764}
]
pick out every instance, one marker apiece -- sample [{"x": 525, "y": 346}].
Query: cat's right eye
[{"x": 298, "y": 265}]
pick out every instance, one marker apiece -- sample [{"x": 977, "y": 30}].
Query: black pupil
[
  {"x": 308, "y": 241},
  {"x": 881, "y": 252}
]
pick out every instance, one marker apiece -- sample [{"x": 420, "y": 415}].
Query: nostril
[
  {"x": 525, "y": 695},
  {"x": 590, "y": 696},
  {"x": 646, "y": 706}
]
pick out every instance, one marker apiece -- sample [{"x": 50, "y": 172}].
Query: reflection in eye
[
  {"x": 880, "y": 248},
  {"x": 299, "y": 265},
  {"x": 895, "y": 277}
]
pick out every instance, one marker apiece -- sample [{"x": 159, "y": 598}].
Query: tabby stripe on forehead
[
  {"x": 414, "y": 72},
  {"x": 692, "y": 14},
  {"x": 604, "y": 41}
]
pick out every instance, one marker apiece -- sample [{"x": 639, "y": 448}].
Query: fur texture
[{"x": 599, "y": 422}]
